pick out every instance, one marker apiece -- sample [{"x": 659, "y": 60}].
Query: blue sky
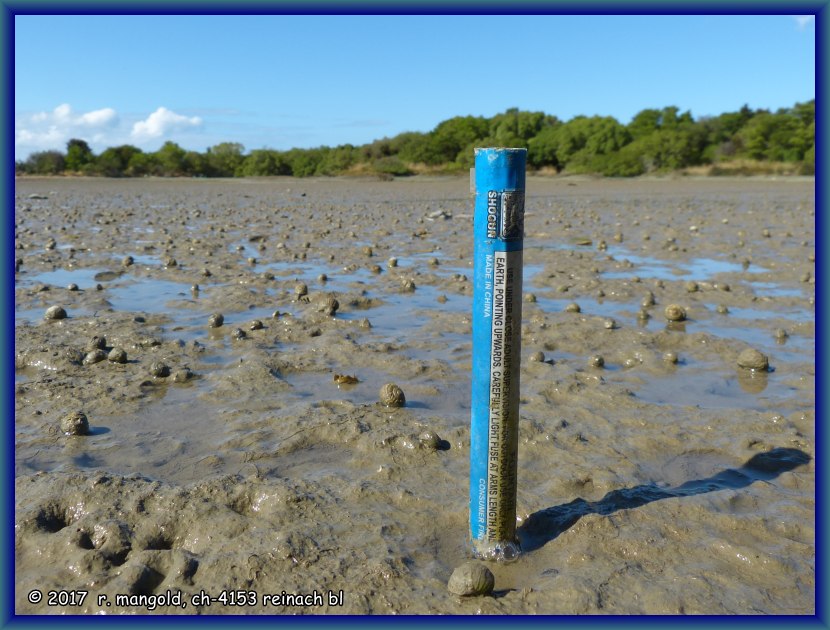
[{"x": 302, "y": 81}]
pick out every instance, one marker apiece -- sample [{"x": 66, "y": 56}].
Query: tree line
[{"x": 655, "y": 141}]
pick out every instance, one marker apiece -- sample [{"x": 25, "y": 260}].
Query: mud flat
[{"x": 656, "y": 474}]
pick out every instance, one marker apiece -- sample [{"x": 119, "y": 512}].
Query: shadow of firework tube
[{"x": 498, "y": 229}]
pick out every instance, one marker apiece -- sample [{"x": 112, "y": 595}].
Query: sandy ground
[{"x": 243, "y": 470}]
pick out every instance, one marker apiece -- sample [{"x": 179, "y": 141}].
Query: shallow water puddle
[
  {"x": 148, "y": 295},
  {"x": 315, "y": 463},
  {"x": 695, "y": 269},
  {"x": 772, "y": 289},
  {"x": 792, "y": 313},
  {"x": 84, "y": 278},
  {"x": 425, "y": 396},
  {"x": 714, "y": 389},
  {"x": 146, "y": 260},
  {"x": 172, "y": 438},
  {"x": 588, "y": 306}
]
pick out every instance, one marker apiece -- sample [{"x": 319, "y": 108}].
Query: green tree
[
  {"x": 542, "y": 149},
  {"x": 78, "y": 155},
  {"x": 515, "y": 128},
  {"x": 453, "y": 136},
  {"x": 337, "y": 160},
  {"x": 44, "y": 163},
  {"x": 142, "y": 165},
  {"x": 391, "y": 165},
  {"x": 304, "y": 162},
  {"x": 223, "y": 160},
  {"x": 778, "y": 137},
  {"x": 264, "y": 162},
  {"x": 197, "y": 165},
  {"x": 172, "y": 159},
  {"x": 113, "y": 162},
  {"x": 644, "y": 123},
  {"x": 415, "y": 148}
]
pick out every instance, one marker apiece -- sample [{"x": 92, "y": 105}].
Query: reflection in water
[
  {"x": 676, "y": 326},
  {"x": 753, "y": 381},
  {"x": 545, "y": 525}
]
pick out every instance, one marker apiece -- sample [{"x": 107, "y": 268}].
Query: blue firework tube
[{"x": 498, "y": 228}]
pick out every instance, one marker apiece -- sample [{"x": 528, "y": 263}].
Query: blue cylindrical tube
[{"x": 498, "y": 228}]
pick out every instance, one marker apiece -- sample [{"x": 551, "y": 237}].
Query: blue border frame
[{"x": 10, "y": 8}]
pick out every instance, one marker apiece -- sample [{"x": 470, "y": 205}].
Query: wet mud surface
[{"x": 656, "y": 474}]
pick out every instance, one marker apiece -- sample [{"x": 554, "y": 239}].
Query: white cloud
[
  {"x": 163, "y": 121},
  {"x": 101, "y": 128},
  {"x": 52, "y": 130},
  {"x": 99, "y": 118},
  {"x": 804, "y": 20}
]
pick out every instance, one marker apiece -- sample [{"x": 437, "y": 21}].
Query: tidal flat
[{"x": 226, "y": 342}]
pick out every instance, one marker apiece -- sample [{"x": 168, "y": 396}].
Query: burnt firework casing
[{"x": 498, "y": 229}]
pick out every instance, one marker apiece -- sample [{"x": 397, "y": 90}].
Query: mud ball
[
  {"x": 471, "y": 579},
  {"x": 117, "y": 355},
  {"x": 692, "y": 286},
  {"x": 170, "y": 262},
  {"x": 538, "y": 357},
  {"x": 751, "y": 359},
  {"x": 127, "y": 261},
  {"x": 75, "y": 423},
  {"x": 238, "y": 333},
  {"x": 367, "y": 251},
  {"x": 216, "y": 320},
  {"x": 97, "y": 342},
  {"x": 392, "y": 262},
  {"x": 408, "y": 286},
  {"x": 322, "y": 278},
  {"x": 648, "y": 300},
  {"x": 182, "y": 375},
  {"x": 573, "y": 307},
  {"x": 256, "y": 325},
  {"x": 94, "y": 356},
  {"x": 429, "y": 440},
  {"x": 610, "y": 324},
  {"x": 780, "y": 334},
  {"x": 329, "y": 306},
  {"x": 159, "y": 369},
  {"x": 55, "y": 312},
  {"x": 72, "y": 287},
  {"x": 670, "y": 357},
  {"x": 392, "y": 396},
  {"x": 722, "y": 309},
  {"x": 194, "y": 288},
  {"x": 675, "y": 313},
  {"x": 530, "y": 297},
  {"x": 597, "y": 361},
  {"x": 300, "y": 289}
]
